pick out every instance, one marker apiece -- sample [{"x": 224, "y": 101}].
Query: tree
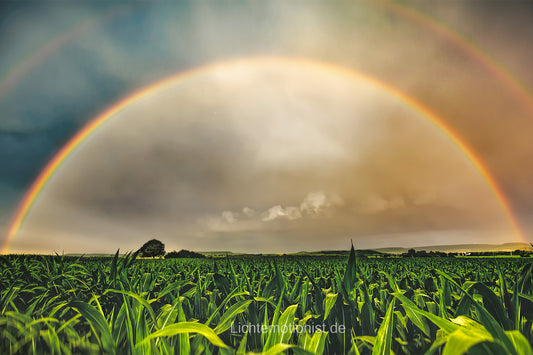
[
  {"x": 152, "y": 248},
  {"x": 183, "y": 254}
]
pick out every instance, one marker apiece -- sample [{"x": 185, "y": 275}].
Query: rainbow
[
  {"x": 491, "y": 65},
  {"x": 402, "y": 10},
  {"x": 25, "y": 65},
  {"x": 47, "y": 173}
]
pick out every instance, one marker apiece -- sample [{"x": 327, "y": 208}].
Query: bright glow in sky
[{"x": 264, "y": 157}]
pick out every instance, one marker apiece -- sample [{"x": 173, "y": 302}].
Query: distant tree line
[
  {"x": 154, "y": 248},
  {"x": 425, "y": 254},
  {"x": 183, "y": 254},
  {"x": 422, "y": 253}
]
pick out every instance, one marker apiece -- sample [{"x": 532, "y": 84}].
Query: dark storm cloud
[{"x": 25, "y": 152}]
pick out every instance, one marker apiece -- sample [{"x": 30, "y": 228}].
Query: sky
[{"x": 283, "y": 127}]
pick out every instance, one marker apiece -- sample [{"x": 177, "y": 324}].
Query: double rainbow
[{"x": 40, "y": 183}]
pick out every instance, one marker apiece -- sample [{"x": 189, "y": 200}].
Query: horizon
[{"x": 422, "y": 247}]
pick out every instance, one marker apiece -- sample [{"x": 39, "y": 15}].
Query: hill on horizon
[
  {"x": 460, "y": 248},
  {"x": 454, "y": 248}
]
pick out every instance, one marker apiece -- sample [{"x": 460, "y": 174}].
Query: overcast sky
[{"x": 266, "y": 155}]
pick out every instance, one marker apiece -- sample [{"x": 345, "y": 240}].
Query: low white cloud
[
  {"x": 315, "y": 203},
  {"x": 221, "y": 222},
  {"x": 249, "y": 212},
  {"x": 230, "y": 217},
  {"x": 276, "y": 212}
]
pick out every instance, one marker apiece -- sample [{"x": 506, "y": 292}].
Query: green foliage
[
  {"x": 152, "y": 248},
  {"x": 295, "y": 305},
  {"x": 183, "y": 254}
]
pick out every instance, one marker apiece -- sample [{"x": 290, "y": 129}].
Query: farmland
[{"x": 300, "y": 305}]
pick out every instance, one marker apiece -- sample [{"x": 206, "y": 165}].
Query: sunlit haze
[{"x": 273, "y": 127}]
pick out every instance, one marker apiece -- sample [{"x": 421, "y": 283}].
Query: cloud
[
  {"x": 193, "y": 169},
  {"x": 278, "y": 212},
  {"x": 315, "y": 203},
  {"x": 248, "y": 211},
  {"x": 226, "y": 221},
  {"x": 230, "y": 217},
  {"x": 377, "y": 204}
]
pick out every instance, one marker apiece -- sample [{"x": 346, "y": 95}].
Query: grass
[{"x": 120, "y": 304}]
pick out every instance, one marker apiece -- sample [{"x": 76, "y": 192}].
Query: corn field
[{"x": 242, "y": 305}]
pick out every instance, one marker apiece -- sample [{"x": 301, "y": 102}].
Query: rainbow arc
[{"x": 47, "y": 173}]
